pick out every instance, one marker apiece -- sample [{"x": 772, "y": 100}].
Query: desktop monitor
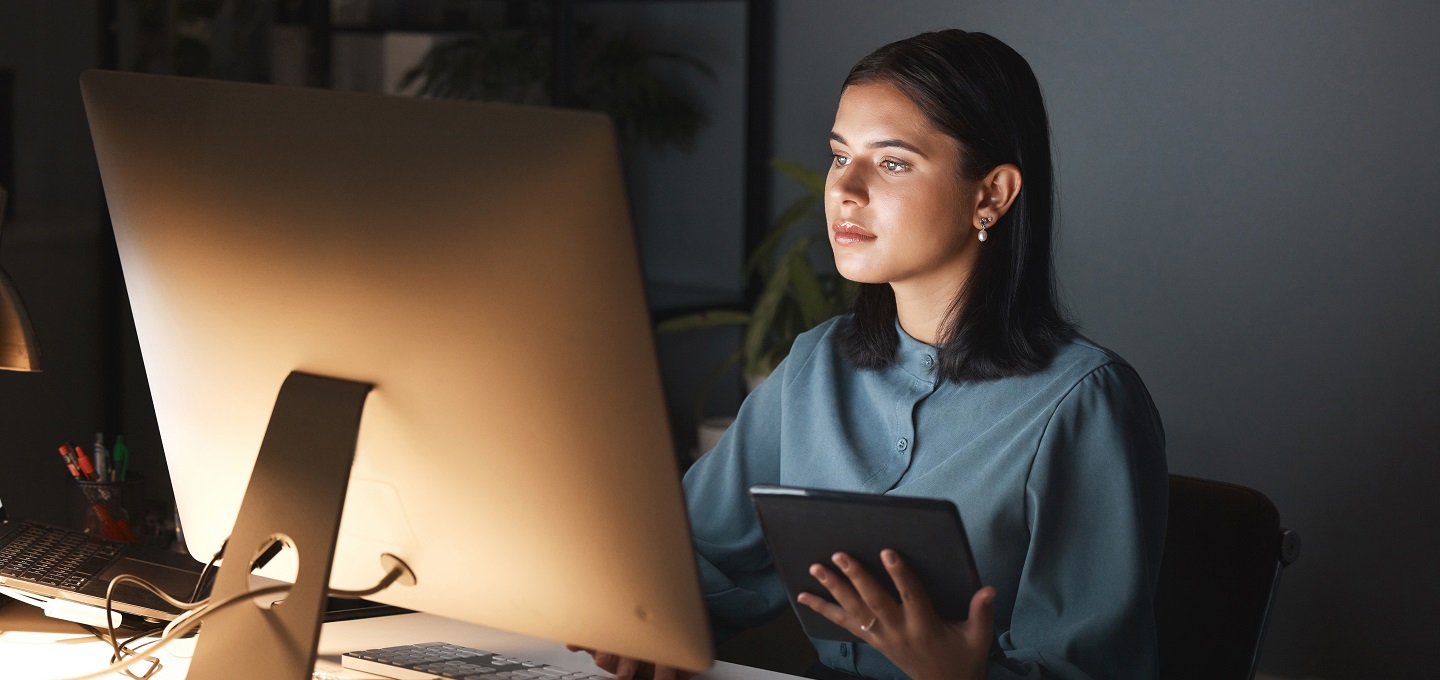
[{"x": 476, "y": 265}]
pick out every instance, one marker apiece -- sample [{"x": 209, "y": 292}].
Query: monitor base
[{"x": 295, "y": 496}]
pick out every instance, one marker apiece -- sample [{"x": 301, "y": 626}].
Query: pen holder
[{"x": 105, "y": 510}]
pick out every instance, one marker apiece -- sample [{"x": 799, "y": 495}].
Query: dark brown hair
[{"x": 1007, "y": 320}]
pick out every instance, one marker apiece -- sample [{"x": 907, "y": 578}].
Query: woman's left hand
[{"x": 908, "y": 632}]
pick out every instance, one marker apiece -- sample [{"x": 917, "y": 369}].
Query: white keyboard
[{"x": 430, "y": 660}]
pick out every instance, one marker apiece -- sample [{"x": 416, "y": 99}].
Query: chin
[
  {"x": 853, "y": 268},
  {"x": 859, "y": 275}
]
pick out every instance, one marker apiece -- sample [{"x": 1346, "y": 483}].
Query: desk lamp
[{"x": 18, "y": 350}]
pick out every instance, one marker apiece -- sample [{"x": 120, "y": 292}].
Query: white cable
[
  {"x": 127, "y": 578},
  {"x": 395, "y": 574},
  {"x": 179, "y": 631},
  {"x": 197, "y": 611}
]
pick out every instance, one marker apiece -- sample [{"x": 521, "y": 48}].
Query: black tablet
[{"x": 806, "y": 526}]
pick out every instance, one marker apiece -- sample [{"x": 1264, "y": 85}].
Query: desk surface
[{"x": 33, "y": 647}]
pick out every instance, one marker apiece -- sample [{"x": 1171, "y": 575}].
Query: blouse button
[
  {"x": 929, "y": 361},
  {"x": 902, "y": 444},
  {"x": 844, "y": 650}
]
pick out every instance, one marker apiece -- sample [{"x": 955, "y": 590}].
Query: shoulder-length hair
[{"x": 1006, "y": 320}]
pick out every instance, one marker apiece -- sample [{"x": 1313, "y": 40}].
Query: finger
[
  {"x": 578, "y": 648},
  {"x": 606, "y": 661},
  {"x": 664, "y": 673},
  {"x": 874, "y": 595},
  {"x": 625, "y": 670},
  {"x": 913, "y": 595},
  {"x": 832, "y": 612},
  {"x": 982, "y": 612},
  {"x": 841, "y": 590}
]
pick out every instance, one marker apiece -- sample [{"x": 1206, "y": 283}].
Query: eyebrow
[{"x": 883, "y": 143}]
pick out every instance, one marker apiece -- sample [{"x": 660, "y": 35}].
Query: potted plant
[
  {"x": 615, "y": 74},
  {"x": 794, "y": 295}
]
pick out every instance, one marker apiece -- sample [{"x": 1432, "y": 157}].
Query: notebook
[{"x": 50, "y": 562}]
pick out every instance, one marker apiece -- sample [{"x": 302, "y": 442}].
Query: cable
[
  {"x": 180, "y": 631},
  {"x": 127, "y": 578},
  {"x": 119, "y": 653},
  {"x": 395, "y": 574},
  {"x": 200, "y": 583},
  {"x": 195, "y": 612},
  {"x": 122, "y": 649}
]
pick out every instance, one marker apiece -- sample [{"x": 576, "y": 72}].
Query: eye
[
  {"x": 894, "y": 166},
  {"x": 839, "y": 160}
]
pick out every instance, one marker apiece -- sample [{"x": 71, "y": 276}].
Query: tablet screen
[{"x": 806, "y": 526}]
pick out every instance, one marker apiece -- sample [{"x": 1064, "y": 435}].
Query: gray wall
[
  {"x": 688, "y": 204},
  {"x": 1248, "y": 213}
]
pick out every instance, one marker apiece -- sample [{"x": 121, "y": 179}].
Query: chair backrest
[{"x": 1224, "y": 551}]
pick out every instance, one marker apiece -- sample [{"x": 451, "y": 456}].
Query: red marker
[
  {"x": 83, "y": 461},
  {"x": 69, "y": 460}
]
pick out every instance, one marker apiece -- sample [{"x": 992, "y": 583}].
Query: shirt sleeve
[
  {"x": 1096, "y": 502},
  {"x": 737, "y": 576}
]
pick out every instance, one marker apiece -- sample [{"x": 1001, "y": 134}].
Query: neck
[
  {"x": 922, "y": 302},
  {"x": 922, "y": 310}
]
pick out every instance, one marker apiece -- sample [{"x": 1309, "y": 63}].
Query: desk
[{"x": 33, "y": 647}]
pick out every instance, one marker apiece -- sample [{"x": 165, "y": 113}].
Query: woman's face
[{"x": 898, "y": 210}]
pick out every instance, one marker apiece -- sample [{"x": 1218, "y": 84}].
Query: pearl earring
[{"x": 984, "y": 224}]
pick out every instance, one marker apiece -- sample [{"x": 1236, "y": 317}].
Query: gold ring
[{"x": 866, "y": 628}]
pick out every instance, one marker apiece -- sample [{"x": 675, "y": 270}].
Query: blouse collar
[{"x": 915, "y": 357}]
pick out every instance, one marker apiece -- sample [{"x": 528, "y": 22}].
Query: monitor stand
[{"x": 295, "y": 495}]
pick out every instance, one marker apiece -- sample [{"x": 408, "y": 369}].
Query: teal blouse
[{"x": 1059, "y": 476}]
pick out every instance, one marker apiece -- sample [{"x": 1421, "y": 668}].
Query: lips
[{"x": 849, "y": 233}]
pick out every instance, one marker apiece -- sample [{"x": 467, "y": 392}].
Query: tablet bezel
[{"x": 803, "y": 526}]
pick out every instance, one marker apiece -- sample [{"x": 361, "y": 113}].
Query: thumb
[{"x": 982, "y": 608}]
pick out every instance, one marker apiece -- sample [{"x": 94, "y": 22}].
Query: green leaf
[
  {"x": 813, "y": 180},
  {"x": 763, "y": 316},
  {"x": 713, "y": 318},
  {"x": 794, "y": 214},
  {"x": 805, "y": 286}
]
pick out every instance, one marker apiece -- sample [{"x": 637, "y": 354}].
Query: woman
[{"x": 956, "y": 377}]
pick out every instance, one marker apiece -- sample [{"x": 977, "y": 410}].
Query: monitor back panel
[{"x": 476, "y": 263}]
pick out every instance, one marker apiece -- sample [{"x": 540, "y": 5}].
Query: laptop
[
  {"x": 48, "y": 562},
  {"x": 51, "y": 562}
]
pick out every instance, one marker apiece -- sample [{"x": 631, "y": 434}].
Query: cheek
[{"x": 938, "y": 219}]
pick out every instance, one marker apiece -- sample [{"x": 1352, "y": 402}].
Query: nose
[{"x": 846, "y": 184}]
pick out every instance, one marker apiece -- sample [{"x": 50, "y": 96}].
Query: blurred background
[{"x": 1248, "y": 213}]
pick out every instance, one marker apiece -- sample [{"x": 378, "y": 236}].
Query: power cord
[
  {"x": 180, "y": 626},
  {"x": 206, "y": 574},
  {"x": 195, "y": 612},
  {"x": 122, "y": 649}
]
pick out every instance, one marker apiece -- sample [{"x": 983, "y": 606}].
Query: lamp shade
[{"x": 18, "y": 350}]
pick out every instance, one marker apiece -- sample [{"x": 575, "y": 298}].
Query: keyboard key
[{"x": 54, "y": 556}]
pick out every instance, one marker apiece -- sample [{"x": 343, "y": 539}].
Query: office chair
[{"x": 1224, "y": 551}]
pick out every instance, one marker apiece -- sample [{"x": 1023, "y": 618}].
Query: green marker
[{"x": 121, "y": 457}]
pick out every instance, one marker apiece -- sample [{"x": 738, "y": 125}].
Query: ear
[{"x": 995, "y": 193}]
